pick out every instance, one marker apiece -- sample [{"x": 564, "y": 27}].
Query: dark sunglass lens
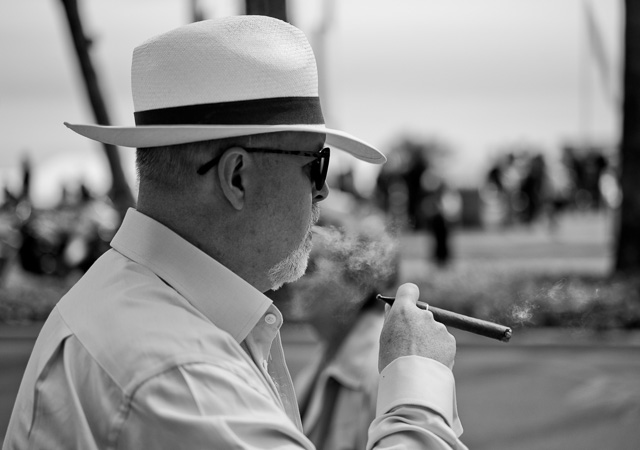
[
  {"x": 316, "y": 174},
  {"x": 322, "y": 168}
]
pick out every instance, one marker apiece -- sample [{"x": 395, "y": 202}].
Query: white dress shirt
[{"x": 160, "y": 346}]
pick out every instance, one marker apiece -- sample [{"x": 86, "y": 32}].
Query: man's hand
[{"x": 409, "y": 330}]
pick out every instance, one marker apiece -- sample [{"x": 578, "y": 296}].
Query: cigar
[{"x": 462, "y": 322}]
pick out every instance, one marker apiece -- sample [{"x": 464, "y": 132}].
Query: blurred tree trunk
[
  {"x": 120, "y": 192},
  {"x": 195, "y": 11},
  {"x": 628, "y": 238},
  {"x": 273, "y": 8}
]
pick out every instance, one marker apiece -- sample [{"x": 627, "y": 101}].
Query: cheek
[
  {"x": 296, "y": 207},
  {"x": 285, "y": 202}
]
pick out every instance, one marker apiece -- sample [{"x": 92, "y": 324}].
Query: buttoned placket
[
  {"x": 265, "y": 347},
  {"x": 263, "y": 335},
  {"x": 258, "y": 344}
]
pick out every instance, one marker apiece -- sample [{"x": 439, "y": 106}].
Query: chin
[
  {"x": 294, "y": 265},
  {"x": 291, "y": 268},
  {"x": 280, "y": 279}
]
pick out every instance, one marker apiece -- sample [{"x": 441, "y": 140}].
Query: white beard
[{"x": 295, "y": 264}]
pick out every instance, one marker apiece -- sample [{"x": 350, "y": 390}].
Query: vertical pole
[
  {"x": 628, "y": 237},
  {"x": 120, "y": 193},
  {"x": 272, "y": 8}
]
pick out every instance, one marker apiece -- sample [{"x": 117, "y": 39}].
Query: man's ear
[{"x": 232, "y": 171}]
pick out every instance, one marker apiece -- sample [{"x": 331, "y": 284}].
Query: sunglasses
[{"x": 319, "y": 166}]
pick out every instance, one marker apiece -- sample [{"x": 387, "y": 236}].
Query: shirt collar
[{"x": 223, "y": 297}]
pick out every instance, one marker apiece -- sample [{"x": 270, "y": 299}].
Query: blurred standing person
[
  {"x": 25, "y": 193},
  {"x": 337, "y": 391},
  {"x": 534, "y": 189},
  {"x": 511, "y": 177},
  {"x": 500, "y": 191},
  {"x": 494, "y": 196},
  {"x": 494, "y": 178},
  {"x": 390, "y": 193},
  {"x": 168, "y": 341},
  {"x": 416, "y": 165},
  {"x": 440, "y": 209},
  {"x": 597, "y": 164}
]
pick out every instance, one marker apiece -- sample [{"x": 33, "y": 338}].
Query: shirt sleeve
[
  {"x": 416, "y": 407},
  {"x": 205, "y": 406}
]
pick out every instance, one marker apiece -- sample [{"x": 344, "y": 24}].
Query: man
[{"x": 168, "y": 341}]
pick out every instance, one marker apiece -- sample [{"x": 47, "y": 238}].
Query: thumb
[{"x": 407, "y": 295}]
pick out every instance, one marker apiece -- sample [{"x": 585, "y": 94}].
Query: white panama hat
[{"x": 220, "y": 78}]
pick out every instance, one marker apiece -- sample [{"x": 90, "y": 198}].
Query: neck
[{"x": 218, "y": 234}]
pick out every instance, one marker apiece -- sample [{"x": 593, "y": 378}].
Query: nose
[{"x": 319, "y": 195}]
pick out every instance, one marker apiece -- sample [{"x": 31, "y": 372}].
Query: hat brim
[{"x": 160, "y": 135}]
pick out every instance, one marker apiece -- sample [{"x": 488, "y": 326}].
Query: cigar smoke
[
  {"x": 572, "y": 301},
  {"x": 368, "y": 256},
  {"x": 521, "y": 314}
]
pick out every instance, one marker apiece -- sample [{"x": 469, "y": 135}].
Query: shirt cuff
[{"x": 419, "y": 381}]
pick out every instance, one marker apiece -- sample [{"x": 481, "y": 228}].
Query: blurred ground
[
  {"x": 544, "y": 390},
  {"x": 549, "y": 397},
  {"x": 580, "y": 243}
]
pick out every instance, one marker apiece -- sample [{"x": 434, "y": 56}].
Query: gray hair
[
  {"x": 174, "y": 166},
  {"x": 171, "y": 165}
]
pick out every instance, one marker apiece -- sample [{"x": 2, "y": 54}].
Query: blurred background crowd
[
  {"x": 58, "y": 241},
  {"x": 522, "y": 186}
]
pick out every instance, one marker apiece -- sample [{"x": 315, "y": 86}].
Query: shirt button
[{"x": 270, "y": 319}]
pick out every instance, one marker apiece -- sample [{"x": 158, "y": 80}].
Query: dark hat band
[{"x": 268, "y": 111}]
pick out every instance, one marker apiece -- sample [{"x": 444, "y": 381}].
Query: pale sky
[{"x": 478, "y": 74}]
